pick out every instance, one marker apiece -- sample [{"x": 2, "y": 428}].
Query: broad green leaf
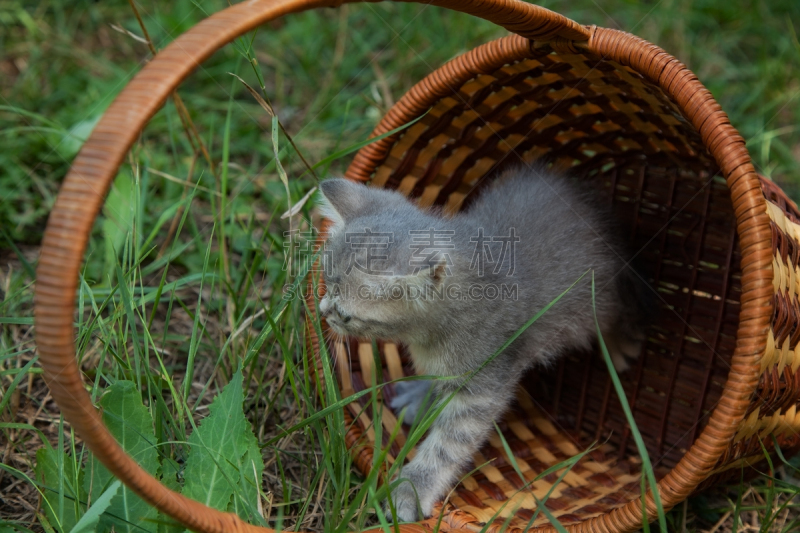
[
  {"x": 131, "y": 424},
  {"x": 169, "y": 474},
  {"x": 251, "y": 468},
  {"x": 88, "y": 521},
  {"x": 222, "y": 453},
  {"x": 72, "y": 140},
  {"x": 57, "y": 469},
  {"x": 170, "y": 469}
]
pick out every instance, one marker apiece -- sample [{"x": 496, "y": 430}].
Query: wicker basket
[{"x": 719, "y": 375}]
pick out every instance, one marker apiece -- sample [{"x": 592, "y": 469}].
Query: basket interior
[{"x": 625, "y": 139}]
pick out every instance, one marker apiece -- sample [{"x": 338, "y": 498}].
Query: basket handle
[{"x": 86, "y": 184}]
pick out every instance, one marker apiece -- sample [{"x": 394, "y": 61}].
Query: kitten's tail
[{"x": 627, "y": 335}]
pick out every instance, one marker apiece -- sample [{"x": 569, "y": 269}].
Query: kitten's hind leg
[
  {"x": 623, "y": 344},
  {"x": 415, "y": 396},
  {"x": 626, "y": 334}
]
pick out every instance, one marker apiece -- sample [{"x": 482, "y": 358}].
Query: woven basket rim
[{"x": 88, "y": 180}]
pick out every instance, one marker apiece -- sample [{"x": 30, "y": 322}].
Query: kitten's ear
[{"x": 341, "y": 199}]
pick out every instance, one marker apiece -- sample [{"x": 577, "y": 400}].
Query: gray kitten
[{"x": 454, "y": 290}]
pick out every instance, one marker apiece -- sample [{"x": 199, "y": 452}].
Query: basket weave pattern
[
  {"x": 630, "y": 140},
  {"x": 719, "y": 374},
  {"x": 627, "y": 139}
]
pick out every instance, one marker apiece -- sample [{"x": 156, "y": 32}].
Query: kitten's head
[{"x": 376, "y": 275}]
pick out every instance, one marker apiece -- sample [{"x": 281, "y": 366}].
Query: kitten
[{"x": 454, "y": 290}]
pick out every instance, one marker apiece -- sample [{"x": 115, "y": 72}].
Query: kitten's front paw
[
  {"x": 405, "y": 503},
  {"x": 412, "y": 395}
]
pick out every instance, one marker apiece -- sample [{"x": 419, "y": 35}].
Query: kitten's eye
[{"x": 346, "y": 319}]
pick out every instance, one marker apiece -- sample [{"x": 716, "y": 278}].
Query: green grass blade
[
  {"x": 88, "y": 521},
  {"x": 647, "y": 467}
]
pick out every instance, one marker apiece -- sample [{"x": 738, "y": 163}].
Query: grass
[{"x": 184, "y": 277}]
